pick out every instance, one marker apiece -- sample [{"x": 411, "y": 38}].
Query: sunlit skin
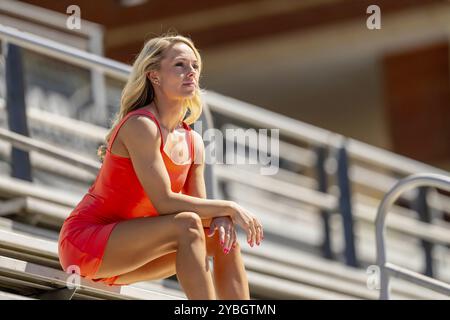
[{"x": 179, "y": 243}]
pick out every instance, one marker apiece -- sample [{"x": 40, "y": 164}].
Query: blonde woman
[{"x": 146, "y": 216}]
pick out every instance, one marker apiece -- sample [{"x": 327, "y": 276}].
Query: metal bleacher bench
[
  {"x": 29, "y": 266},
  {"x": 273, "y": 271},
  {"x": 29, "y": 254},
  {"x": 36, "y": 203},
  {"x": 47, "y": 283}
]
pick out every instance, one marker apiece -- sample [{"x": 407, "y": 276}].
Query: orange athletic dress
[{"x": 116, "y": 195}]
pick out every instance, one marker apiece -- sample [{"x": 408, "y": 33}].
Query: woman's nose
[
  {"x": 191, "y": 75},
  {"x": 192, "y": 70}
]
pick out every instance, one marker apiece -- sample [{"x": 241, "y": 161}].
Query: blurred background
[
  {"x": 314, "y": 60},
  {"x": 358, "y": 110}
]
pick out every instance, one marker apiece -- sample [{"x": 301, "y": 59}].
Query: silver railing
[
  {"x": 64, "y": 52},
  {"x": 29, "y": 144},
  {"x": 388, "y": 269},
  {"x": 41, "y": 21},
  {"x": 257, "y": 116}
]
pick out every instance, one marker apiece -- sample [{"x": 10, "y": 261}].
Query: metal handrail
[
  {"x": 255, "y": 115},
  {"x": 301, "y": 131},
  {"x": 26, "y": 143},
  {"x": 414, "y": 181},
  {"x": 296, "y": 154},
  {"x": 64, "y": 52},
  {"x": 282, "y": 188}
]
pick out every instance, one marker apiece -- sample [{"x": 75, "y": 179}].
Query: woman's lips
[{"x": 189, "y": 84}]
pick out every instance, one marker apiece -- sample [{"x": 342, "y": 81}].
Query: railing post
[
  {"x": 322, "y": 186},
  {"x": 16, "y": 110},
  {"x": 98, "y": 81},
  {"x": 421, "y": 206},
  {"x": 345, "y": 205},
  {"x": 404, "y": 185}
]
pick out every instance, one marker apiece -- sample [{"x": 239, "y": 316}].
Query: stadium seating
[{"x": 289, "y": 264}]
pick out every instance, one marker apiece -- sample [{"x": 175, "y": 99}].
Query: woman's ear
[{"x": 153, "y": 77}]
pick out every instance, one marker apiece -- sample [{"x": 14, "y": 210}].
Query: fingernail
[
  {"x": 251, "y": 244},
  {"x": 225, "y": 250},
  {"x": 221, "y": 242},
  {"x": 258, "y": 243}
]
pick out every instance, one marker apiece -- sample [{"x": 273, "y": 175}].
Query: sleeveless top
[{"x": 117, "y": 194}]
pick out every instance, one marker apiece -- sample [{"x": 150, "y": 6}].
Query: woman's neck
[{"x": 170, "y": 113}]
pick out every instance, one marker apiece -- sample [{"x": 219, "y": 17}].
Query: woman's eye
[{"x": 181, "y": 64}]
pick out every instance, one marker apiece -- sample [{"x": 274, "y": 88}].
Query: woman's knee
[
  {"x": 217, "y": 251},
  {"x": 189, "y": 224}
]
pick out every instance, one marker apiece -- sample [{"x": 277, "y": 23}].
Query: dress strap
[
  {"x": 191, "y": 141},
  {"x": 136, "y": 112}
]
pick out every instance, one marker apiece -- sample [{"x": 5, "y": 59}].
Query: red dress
[{"x": 116, "y": 195}]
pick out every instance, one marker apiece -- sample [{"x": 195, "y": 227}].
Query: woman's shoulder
[{"x": 139, "y": 126}]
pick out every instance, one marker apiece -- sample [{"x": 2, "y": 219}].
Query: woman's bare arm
[
  {"x": 195, "y": 181},
  {"x": 142, "y": 140}
]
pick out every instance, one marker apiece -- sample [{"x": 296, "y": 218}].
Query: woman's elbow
[{"x": 165, "y": 204}]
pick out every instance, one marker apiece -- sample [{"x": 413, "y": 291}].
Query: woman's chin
[{"x": 188, "y": 93}]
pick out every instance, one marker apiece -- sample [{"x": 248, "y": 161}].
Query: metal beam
[{"x": 16, "y": 110}]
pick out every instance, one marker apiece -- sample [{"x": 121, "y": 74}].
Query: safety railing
[
  {"x": 40, "y": 21},
  {"x": 320, "y": 140},
  {"x": 387, "y": 269},
  {"x": 28, "y": 144},
  {"x": 234, "y": 108}
]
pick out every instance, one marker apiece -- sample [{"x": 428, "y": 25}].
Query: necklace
[
  {"x": 179, "y": 125},
  {"x": 174, "y": 139}
]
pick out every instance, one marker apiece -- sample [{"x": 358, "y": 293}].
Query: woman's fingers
[
  {"x": 222, "y": 235},
  {"x": 250, "y": 230},
  {"x": 249, "y": 234},
  {"x": 234, "y": 239},
  {"x": 251, "y": 225},
  {"x": 258, "y": 228},
  {"x": 254, "y": 232},
  {"x": 262, "y": 232},
  {"x": 229, "y": 239},
  {"x": 212, "y": 229}
]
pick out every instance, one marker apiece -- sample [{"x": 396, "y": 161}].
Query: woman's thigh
[
  {"x": 164, "y": 266},
  {"x": 136, "y": 242},
  {"x": 160, "y": 268}
]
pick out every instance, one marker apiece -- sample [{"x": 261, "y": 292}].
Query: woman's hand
[
  {"x": 227, "y": 232},
  {"x": 248, "y": 221}
]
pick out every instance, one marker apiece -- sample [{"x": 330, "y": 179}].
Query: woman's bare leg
[
  {"x": 136, "y": 242},
  {"x": 230, "y": 278},
  {"x": 160, "y": 268},
  {"x": 188, "y": 255},
  {"x": 165, "y": 266}
]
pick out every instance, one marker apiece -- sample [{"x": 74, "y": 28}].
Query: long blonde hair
[{"x": 138, "y": 91}]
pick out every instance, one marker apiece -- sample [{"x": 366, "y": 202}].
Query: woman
[{"x": 146, "y": 217}]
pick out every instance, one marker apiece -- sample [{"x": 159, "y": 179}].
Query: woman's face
[{"x": 178, "y": 75}]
